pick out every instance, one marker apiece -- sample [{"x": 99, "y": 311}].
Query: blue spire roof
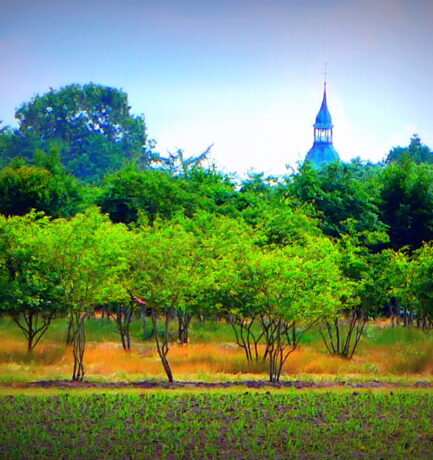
[
  {"x": 322, "y": 152},
  {"x": 323, "y": 119}
]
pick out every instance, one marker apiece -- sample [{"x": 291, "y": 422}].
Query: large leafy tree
[
  {"x": 210, "y": 190},
  {"x": 370, "y": 283},
  {"x": 88, "y": 256},
  {"x": 274, "y": 292},
  {"x": 415, "y": 151},
  {"x": 29, "y": 290},
  {"x": 225, "y": 245},
  {"x": 343, "y": 196},
  {"x": 153, "y": 192},
  {"x": 299, "y": 286},
  {"x": 91, "y": 123},
  {"x": 414, "y": 284},
  {"x": 288, "y": 289},
  {"x": 6, "y": 139},
  {"x": 163, "y": 269},
  {"x": 407, "y": 203},
  {"x": 44, "y": 186}
]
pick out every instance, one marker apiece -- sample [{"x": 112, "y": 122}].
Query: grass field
[
  {"x": 212, "y": 355},
  {"x": 231, "y": 425},
  {"x": 236, "y": 422}
]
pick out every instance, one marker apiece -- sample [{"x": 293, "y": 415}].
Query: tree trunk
[
  {"x": 163, "y": 347},
  {"x": 282, "y": 339},
  {"x": 146, "y": 334},
  {"x": 238, "y": 328},
  {"x": 123, "y": 320},
  {"x": 78, "y": 343},
  {"x": 342, "y": 337},
  {"x": 183, "y": 320},
  {"x": 34, "y": 326},
  {"x": 69, "y": 332}
]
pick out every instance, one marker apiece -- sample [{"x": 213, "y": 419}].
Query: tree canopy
[
  {"x": 44, "y": 186},
  {"x": 415, "y": 151},
  {"x": 91, "y": 124}
]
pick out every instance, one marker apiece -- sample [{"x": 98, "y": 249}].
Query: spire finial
[{"x": 325, "y": 73}]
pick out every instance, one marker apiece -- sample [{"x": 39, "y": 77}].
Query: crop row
[{"x": 214, "y": 425}]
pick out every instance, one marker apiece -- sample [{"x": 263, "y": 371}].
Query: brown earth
[{"x": 298, "y": 384}]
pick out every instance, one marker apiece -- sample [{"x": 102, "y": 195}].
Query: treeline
[{"x": 93, "y": 218}]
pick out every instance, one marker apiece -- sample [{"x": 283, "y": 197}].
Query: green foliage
[
  {"x": 29, "y": 290},
  {"x": 154, "y": 193},
  {"x": 369, "y": 273},
  {"x": 87, "y": 254},
  {"x": 419, "y": 276},
  {"x": 44, "y": 186},
  {"x": 407, "y": 203},
  {"x": 254, "y": 190},
  {"x": 294, "y": 283},
  {"x": 6, "y": 139},
  {"x": 210, "y": 191},
  {"x": 344, "y": 196},
  {"x": 27, "y": 281},
  {"x": 162, "y": 265},
  {"x": 416, "y": 152},
  {"x": 92, "y": 124},
  {"x": 264, "y": 204}
]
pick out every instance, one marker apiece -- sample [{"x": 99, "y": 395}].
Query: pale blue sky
[{"x": 245, "y": 75}]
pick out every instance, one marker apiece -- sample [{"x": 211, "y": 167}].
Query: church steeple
[
  {"x": 323, "y": 126},
  {"x": 323, "y": 151}
]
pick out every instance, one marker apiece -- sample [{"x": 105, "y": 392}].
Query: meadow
[
  {"x": 379, "y": 404},
  {"x": 385, "y": 353}
]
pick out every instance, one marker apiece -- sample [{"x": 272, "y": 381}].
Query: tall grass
[
  {"x": 211, "y": 352},
  {"x": 13, "y": 350},
  {"x": 393, "y": 335},
  {"x": 211, "y": 331}
]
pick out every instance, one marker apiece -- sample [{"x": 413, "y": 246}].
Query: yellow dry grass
[{"x": 108, "y": 361}]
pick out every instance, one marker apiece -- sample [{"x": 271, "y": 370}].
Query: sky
[{"x": 244, "y": 75}]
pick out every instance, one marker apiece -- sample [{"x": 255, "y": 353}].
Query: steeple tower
[{"x": 323, "y": 151}]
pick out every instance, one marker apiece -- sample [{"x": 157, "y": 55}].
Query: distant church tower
[{"x": 323, "y": 151}]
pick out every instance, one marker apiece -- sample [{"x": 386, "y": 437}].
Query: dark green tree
[
  {"x": 158, "y": 193},
  {"x": 418, "y": 275},
  {"x": 407, "y": 203},
  {"x": 6, "y": 140},
  {"x": 44, "y": 186},
  {"x": 92, "y": 124},
  {"x": 153, "y": 192},
  {"x": 255, "y": 190},
  {"x": 415, "y": 151},
  {"x": 212, "y": 190},
  {"x": 344, "y": 197}
]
